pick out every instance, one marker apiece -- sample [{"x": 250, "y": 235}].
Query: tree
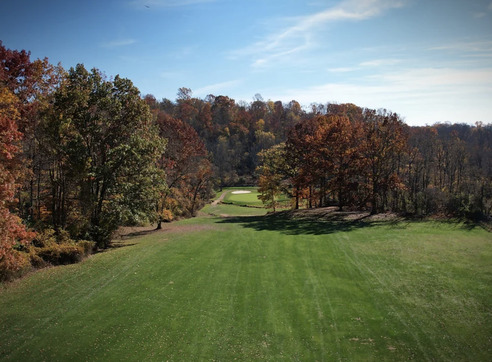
[
  {"x": 341, "y": 154},
  {"x": 302, "y": 149},
  {"x": 12, "y": 231},
  {"x": 32, "y": 82},
  {"x": 107, "y": 150},
  {"x": 385, "y": 139},
  {"x": 185, "y": 163},
  {"x": 272, "y": 174}
]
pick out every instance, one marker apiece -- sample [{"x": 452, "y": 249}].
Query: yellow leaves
[
  {"x": 166, "y": 215},
  {"x": 260, "y": 125},
  {"x": 8, "y": 104}
]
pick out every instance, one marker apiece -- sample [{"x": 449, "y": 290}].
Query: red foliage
[
  {"x": 184, "y": 149},
  {"x": 13, "y": 74}
]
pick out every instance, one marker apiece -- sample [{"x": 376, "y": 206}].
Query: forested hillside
[
  {"x": 340, "y": 154},
  {"x": 82, "y": 154}
]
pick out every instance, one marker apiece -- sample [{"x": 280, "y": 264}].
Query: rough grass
[{"x": 263, "y": 287}]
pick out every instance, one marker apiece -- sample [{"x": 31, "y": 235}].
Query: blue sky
[{"x": 428, "y": 60}]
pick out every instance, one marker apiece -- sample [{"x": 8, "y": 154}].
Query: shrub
[
  {"x": 44, "y": 238},
  {"x": 36, "y": 261},
  {"x": 57, "y": 248},
  {"x": 87, "y": 246},
  {"x": 49, "y": 247},
  {"x": 8, "y": 271},
  {"x": 61, "y": 254}
]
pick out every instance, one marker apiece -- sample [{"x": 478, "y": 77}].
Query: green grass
[
  {"x": 232, "y": 210},
  {"x": 250, "y": 199},
  {"x": 263, "y": 287}
]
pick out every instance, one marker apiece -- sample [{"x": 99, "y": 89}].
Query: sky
[{"x": 427, "y": 60}]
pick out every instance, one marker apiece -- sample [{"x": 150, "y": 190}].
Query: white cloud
[
  {"x": 480, "y": 50},
  {"x": 217, "y": 88},
  {"x": 380, "y": 62},
  {"x": 299, "y": 35},
  {"x": 467, "y": 46},
  {"x": 422, "y": 78},
  {"x": 424, "y": 95},
  {"x": 279, "y": 55},
  {"x": 166, "y": 3},
  {"x": 118, "y": 43},
  {"x": 342, "y": 69}
]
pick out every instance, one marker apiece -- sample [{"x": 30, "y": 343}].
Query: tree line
[
  {"x": 360, "y": 158},
  {"x": 82, "y": 154}
]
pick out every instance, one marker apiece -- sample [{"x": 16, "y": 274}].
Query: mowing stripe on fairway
[{"x": 258, "y": 287}]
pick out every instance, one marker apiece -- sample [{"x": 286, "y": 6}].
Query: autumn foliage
[
  {"x": 82, "y": 154},
  {"x": 343, "y": 161},
  {"x": 12, "y": 232}
]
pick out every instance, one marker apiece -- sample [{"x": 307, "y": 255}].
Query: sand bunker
[{"x": 240, "y": 192}]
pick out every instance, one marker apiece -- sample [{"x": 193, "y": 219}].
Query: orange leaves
[
  {"x": 12, "y": 232},
  {"x": 347, "y": 155}
]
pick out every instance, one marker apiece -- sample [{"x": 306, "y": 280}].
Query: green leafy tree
[
  {"x": 273, "y": 174},
  {"x": 106, "y": 147}
]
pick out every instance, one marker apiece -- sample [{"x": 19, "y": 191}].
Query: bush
[
  {"x": 44, "y": 238},
  {"x": 61, "y": 254},
  {"x": 87, "y": 246},
  {"x": 49, "y": 247},
  {"x": 36, "y": 261},
  {"x": 22, "y": 266},
  {"x": 57, "y": 248}
]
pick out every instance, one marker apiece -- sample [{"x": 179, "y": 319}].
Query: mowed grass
[
  {"x": 243, "y": 199},
  {"x": 263, "y": 287},
  {"x": 250, "y": 199}
]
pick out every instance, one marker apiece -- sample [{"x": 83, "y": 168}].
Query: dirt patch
[
  {"x": 221, "y": 197},
  {"x": 126, "y": 232}
]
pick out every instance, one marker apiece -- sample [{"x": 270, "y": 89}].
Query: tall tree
[
  {"x": 341, "y": 155},
  {"x": 273, "y": 174},
  {"x": 12, "y": 231},
  {"x": 108, "y": 148},
  {"x": 32, "y": 82},
  {"x": 186, "y": 164},
  {"x": 385, "y": 139}
]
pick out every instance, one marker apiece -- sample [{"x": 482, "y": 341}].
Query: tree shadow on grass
[{"x": 286, "y": 223}]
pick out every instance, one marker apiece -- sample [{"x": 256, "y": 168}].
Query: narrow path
[{"x": 221, "y": 197}]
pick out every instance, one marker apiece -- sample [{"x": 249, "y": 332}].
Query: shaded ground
[
  {"x": 328, "y": 220},
  {"x": 333, "y": 214},
  {"x": 319, "y": 221},
  {"x": 313, "y": 221}
]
